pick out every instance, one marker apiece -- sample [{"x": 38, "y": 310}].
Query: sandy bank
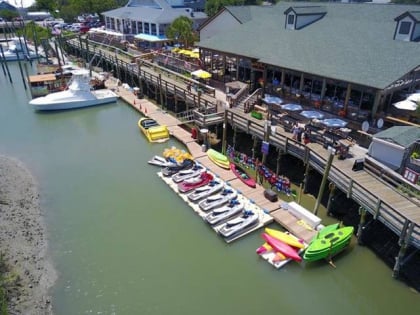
[{"x": 23, "y": 240}]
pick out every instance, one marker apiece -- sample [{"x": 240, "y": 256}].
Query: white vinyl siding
[
  {"x": 290, "y": 22},
  {"x": 404, "y": 29}
]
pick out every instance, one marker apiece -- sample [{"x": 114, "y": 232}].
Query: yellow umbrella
[
  {"x": 195, "y": 55},
  {"x": 176, "y": 49},
  {"x": 201, "y": 74}
]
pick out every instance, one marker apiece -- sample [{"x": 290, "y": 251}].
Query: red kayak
[
  {"x": 242, "y": 175},
  {"x": 195, "y": 182},
  {"x": 281, "y": 247}
]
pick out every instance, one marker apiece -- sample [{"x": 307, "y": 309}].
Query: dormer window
[
  {"x": 404, "y": 28},
  {"x": 408, "y": 26},
  {"x": 299, "y": 17},
  {"x": 290, "y": 19}
]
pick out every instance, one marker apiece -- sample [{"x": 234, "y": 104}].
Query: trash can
[{"x": 204, "y": 147}]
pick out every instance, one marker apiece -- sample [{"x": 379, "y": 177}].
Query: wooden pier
[{"x": 395, "y": 210}]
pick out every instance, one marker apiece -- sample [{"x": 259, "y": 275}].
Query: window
[
  {"x": 291, "y": 19},
  {"x": 404, "y": 28}
]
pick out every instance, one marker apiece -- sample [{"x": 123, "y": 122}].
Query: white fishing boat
[
  {"x": 79, "y": 94},
  {"x": 17, "y": 50}
]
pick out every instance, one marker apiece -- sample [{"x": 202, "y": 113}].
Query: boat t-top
[{"x": 17, "y": 50}]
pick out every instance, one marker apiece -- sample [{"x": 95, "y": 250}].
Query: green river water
[{"x": 124, "y": 243}]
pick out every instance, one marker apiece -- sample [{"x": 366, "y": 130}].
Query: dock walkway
[{"x": 256, "y": 195}]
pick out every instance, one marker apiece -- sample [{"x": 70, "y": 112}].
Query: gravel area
[{"x": 23, "y": 241}]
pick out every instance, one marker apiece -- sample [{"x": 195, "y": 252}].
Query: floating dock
[{"x": 263, "y": 218}]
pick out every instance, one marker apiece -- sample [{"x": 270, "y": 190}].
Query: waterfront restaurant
[
  {"x": 147, "y": 20},
  {"x": 351, "y": 59}
]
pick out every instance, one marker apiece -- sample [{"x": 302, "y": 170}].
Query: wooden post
[
  {"x": 225, "y": 120},
  {"x": 279, "y": 154},
  {"x": 323, "y": 183},
  {"x": 404, "y": 244},
  {"x": 234, "y": 137},
  {"x": 306, "y": 177},
  {"x": 160, "y": 90},
  {"x": 267, "y": 129},
  {"x": 254, "y": 145},
  {"x": 330, "y": 197},
  {"x": 346, "y": 100},
  {"x": 359, "y": 234}
]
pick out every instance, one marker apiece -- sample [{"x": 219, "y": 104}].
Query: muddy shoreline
[{"x": 23, "y": 241}]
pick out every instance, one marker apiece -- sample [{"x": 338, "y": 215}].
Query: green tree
[
  {"x": 181, "y": 30},
  {"x": 46, "y": 5},
  {"x": 8, "y": 15}
]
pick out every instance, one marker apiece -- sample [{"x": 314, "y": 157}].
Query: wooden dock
[{"x": 256, "y": 195}]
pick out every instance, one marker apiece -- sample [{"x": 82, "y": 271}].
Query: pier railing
[{"x": 389, "y": 215}]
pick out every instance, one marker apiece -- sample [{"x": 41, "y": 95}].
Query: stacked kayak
[
  {"x": 218, "y": 158},
  {"x": 328, "y": 243}
]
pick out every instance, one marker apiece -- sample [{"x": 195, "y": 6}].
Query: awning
[{"x": 150, "y": 38}]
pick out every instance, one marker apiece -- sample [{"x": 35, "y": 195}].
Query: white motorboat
[
  {"x": 17, "y": 50},
  {"x": 161, "y": 161},
  {"x": 239, "y": 225},
  {"x": 79, "y": 94},
  {"x": 205, "y": 191},
  {"x": 188, "y": 174},
  {"x": 220, "y": 215},
  {"x": 218, "y": 200}
]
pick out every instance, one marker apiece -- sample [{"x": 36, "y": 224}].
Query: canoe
[
  {"x": 281, "y": 247},
  {"x": 242, "y": 175},
  {"x": 218, "y": 158},
  {"x": 329, "y": 244},
  {"x": 152, "y": 130}
]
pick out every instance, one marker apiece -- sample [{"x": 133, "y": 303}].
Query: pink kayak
[{"x": 281, "y": 247}]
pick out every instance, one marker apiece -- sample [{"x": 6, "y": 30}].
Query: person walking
[{"x": 295, "y": 130}]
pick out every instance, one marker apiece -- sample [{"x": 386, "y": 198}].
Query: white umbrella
[
  {"x": 405, "y": 105},
  {"x": 415, "y": 97}
]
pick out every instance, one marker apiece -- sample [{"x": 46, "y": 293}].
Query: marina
[{"x": 95, "y": 201}]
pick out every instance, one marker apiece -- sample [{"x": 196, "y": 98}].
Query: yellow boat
[
  {"x": 218, "y": 158},
  {"x": 285, "y": 238},
  {"x": 152, "y": 130}
]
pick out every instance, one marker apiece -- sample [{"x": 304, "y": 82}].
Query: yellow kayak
[
  {"x": 285, "y": 238},
  {"x": 218, "y": 158}
]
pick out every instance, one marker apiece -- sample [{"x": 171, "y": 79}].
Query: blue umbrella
[
  {"x": 270, "y": 99},
  {"x": 334, "y": 122},
  {"x": 292, "y": 107},
  {"x": 312, "y": 114}
]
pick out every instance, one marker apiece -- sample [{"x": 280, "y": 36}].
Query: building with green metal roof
[{"x": 348, "y": 58}]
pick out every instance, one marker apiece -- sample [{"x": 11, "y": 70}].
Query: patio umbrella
[
  {"x": 270, "y": 99},
  {"x": 312, "y": 114},
  {"x": 405, "y": 105},
  {"x": 333, "y": 123},
  {"x": 201, "y": 74},
  {"x": 292, "y": 107},
  {"x": 415, "y": 97}
]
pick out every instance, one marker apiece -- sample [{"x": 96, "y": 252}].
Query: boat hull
[
  {"x": 222, "y": 214},
  {"x": 58, "y": 101},
  {"x": 205, "y": 191},
  {"x": 187, "y": 185},
  {"x": 282, "y": 247},
  {"x": 229, "y": 232},
  {"x": 217, "y": 200},
  {"x": 153, "y": 131}
]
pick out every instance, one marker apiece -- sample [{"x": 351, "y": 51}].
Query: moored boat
[
  {"x": 285, "y": 238},
  {"x": 218, "y": 158},
  {"x": 190, "y": 173},
  {"x": 239, "y": 225},
  {"x": 202, "y": 192},
  {"x": 220, "y": 215},
  {"x": 78, "y": 95},
  {"x": 152, "y": 130},
  {"x": 243, "y": 175},
  {"x": 172, "y": 169},
  {"x": 161, "y": 161},
  {"x": 217, "y": 200},
  {"x": 195, "y": 182}
]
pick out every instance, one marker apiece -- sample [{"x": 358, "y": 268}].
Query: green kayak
[{"x": 328, "y": 244}]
